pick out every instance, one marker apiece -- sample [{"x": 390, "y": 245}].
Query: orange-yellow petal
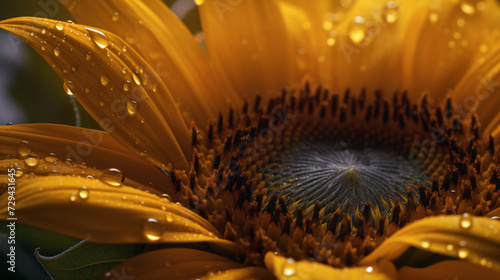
[
  {"x": 114, "y": 83},
  {"x": 248, "y": 42},
  {"x": 55, "y": 144},
  {"x": 89, "y": 209},
  {"x": 473, "y": 239},
  {"x": 447, "y": 270},
  {"x": 284, "y": 268},
  {"x": 168, "y": 46},
  {"x": 175, "y": 264},
  {"x": 246, "y": 273}
]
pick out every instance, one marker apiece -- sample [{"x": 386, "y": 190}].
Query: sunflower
[{"x": 354, "y": 139}]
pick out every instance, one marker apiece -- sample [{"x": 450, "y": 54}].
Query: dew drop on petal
[
  {"x": 115, "y": 17},
  {"x": 136, "y": 79},
  {"x": 450, "y": 247},
  {"x": 463, "y": 253},
  {"x": 113, "y": 177},
  {"x": 467, "y": 8},
  {"x": 88, "y": 56},
  {"x": 433, "y": 17},
  {"x": 57, "y": 52},
  {"x": 67, "y": 87},
  {"x": 425, "y": 244},
  {"x": 31, "y": 160},
  {"x": 466, "y": 221},
  {"x": 50, "y": 158},
  {"x": 18, "y": 173},
  {"x": 369, "y": 269},
  {"x": 72, "y": 197},
  {"x": 104, "y": 80},
  {"x": 132, "y": 107},
  {"x": 83, "y": 193},
  {"x": 152, "y": 229},
  {"x": 199, "y": 2},
  {"x": 391, "y": 12},
  {"x": 24, "y": 148},
  {"x": 99, "y": 38},
  {"x": 60, "y": 25},
  {"x": 126, "y": 86},
  {"x": 169, "y": 217},
  {"x": 288, "y": 268},
  {"x": 357, "y": 30}
]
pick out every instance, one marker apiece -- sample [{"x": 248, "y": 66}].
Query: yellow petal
[
  {"x": 447, "y": 270},
  {"x": 119, "y": 89},
  {"x": 284, "y": 268},
  {"x": 93, "y": 148},
  {"x": 175, "y": 264},
  {"x": 354, "y": 44},
  {"x": 168, "y": 46},
  {"x": 89, "y": 209},
  {"x": 474, "y": 239},
  {"x": 479, "y": 92},
  {"x": 247, "y": 41},
  {"x": 449, "y": 43},
  {"x": 247, "y": 273}
]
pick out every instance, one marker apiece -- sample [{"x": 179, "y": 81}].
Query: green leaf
[{"x": 86, "y": 260}]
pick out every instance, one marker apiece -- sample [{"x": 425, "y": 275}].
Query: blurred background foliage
[{"x": 30, "y": 92}]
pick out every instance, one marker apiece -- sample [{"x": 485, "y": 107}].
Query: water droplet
[
  {"x": 99, "y": 38},
  {"x": 369, "y": 269},
  {"x": 483, "y": 48},
  {"x": 72, "y": 197},
  {"x": 466, "y": 221},
  {"x": 60, "y": 25},
  {"x": 152, "y": 229},
  {"x": 104, "y": 80},
  {"x": 154, "y": 88},
  {"x": 83, "y": 193},
  {"x": 18, "y": 173},
  {"x": 44, "y": 31},
  {"x": 327, "y": 25},
  {"x": 24, "y": 148},
  {"x": 50, "y": 158},
  {"x": 57, "y": 52},
  {"x": 199, "y": 2},
  {"x": 135, "y": 77},
  {"x": 330, "y": 41},
  {"x": 450, "y": 247},
  {"x": 460, "y": 22},
  {"x": 113, "y": 177},
  {"x": 67, "y": 87},
  {"x": 31, "y": 160},
  {"x": 126, "y": 86},
  {"x": 357, "y": 30},
  {"x": 115, "y": 17},
  {"x": 166, "y": 197},
  {"x": 425, "y": 244},
  {"x": 288, "y": 268},
  {"x": 390, "y": 12},
  {"x": 88, "y": 56},
  {"x": 433, "y": 17},
  {"x": 87, "y": 90},
  {"x": 169, "y": 217},
  {"x": 132, "y": 107},
  {"x": 463, "y": 253},
  {"x": 467, "y": 8},
  {"x": 124, "y": 49}
]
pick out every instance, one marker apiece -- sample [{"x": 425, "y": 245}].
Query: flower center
[{"x": 343, "y": 174}]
